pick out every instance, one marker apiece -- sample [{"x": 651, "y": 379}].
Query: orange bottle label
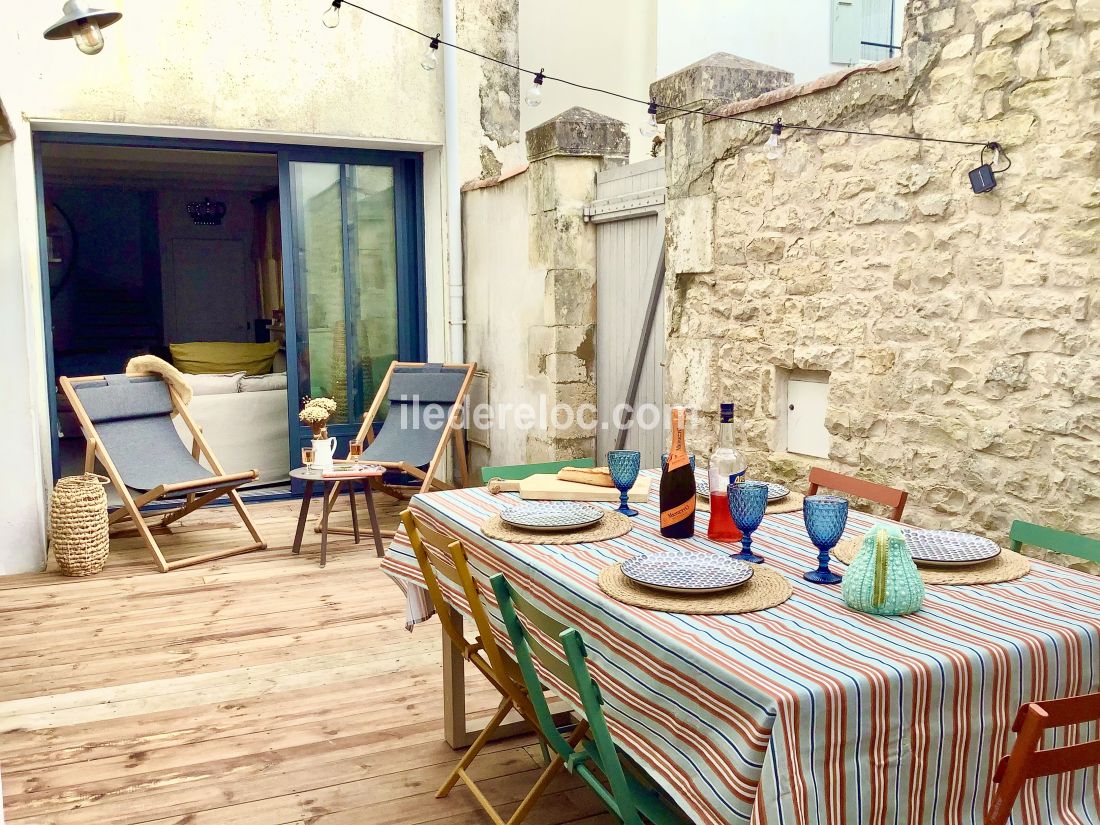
[{"x": 679, "y": 513}]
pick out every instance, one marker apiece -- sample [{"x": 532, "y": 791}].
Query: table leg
[
  {"x": 454, "y": 690},
  {"x": 378, "y": 549},
  {"x": 326, "y": 508},
  {"x": 354, "y": 511},
  {"x": 303, "y": 516}
]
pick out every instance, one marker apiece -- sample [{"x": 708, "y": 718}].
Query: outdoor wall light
[
  {"x": 83, "y": 24},
  {"x": 983, "y": 179}
]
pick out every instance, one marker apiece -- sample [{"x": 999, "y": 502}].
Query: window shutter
[{"x": 846, "y": 28}]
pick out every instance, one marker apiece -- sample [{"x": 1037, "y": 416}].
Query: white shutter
[{"x": 847, "y": 27}]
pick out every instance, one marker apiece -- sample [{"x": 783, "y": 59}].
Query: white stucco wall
[{"x": 263, "y": 71}]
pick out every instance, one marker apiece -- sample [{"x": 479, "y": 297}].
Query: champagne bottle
[{"x": 678, "y": 485}]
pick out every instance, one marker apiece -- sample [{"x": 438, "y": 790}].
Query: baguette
[{"x": 596, "y": 476}]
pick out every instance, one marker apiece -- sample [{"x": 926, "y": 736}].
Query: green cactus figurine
[{"x": 882, "y": 579}]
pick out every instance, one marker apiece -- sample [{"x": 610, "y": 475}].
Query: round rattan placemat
[
  {"x": 1004, "y": 568},
  {"x": 765, "y": 589},
  {"x": 611, "y": 526},
  {"x": 791, "y": 503}
]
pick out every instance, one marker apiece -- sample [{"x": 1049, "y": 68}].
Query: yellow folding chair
[{"x": 440, "y": 555}]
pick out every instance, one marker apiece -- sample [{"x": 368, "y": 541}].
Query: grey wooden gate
[{"x": 629, "y": 213}]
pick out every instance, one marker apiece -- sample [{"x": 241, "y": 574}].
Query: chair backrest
[
  {"x": 518, "y": 472},
  {"x": 1059, "y": 541},
  {"x": 860, "y": 488},
  {"x": 439, "y": 555},
  {"x": 1028, "y": 761},
  {"x": 572, "y": 669}
]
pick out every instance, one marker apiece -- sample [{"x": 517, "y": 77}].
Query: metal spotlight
[{"x": 83, "y": 24}]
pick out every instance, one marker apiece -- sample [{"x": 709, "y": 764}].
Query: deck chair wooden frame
[
  {"x": 439, "y": 555},
  {"x": 1027, "y": 761},
  {"x": 450, "y": 433},
  {"x": 206, "y": 489},
  {"x": 860, "y": 488}
]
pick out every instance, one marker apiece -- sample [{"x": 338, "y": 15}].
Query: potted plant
[{"x": 316, "y": 412}]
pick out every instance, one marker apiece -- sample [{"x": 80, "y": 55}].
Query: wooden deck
[{"x": 257, "y": 689}]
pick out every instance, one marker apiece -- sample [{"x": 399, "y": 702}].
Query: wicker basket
[{"x": 79, "y": 533}]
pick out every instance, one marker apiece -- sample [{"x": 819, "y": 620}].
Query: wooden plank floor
[{"x": 256, "y": 689}]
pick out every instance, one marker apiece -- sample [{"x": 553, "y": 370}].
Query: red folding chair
[
  {"x": 1027, "y": 761},
  {"x": 860, "y": 488}
]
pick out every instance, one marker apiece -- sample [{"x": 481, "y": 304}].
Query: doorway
[{"x": 152, "y": 244}]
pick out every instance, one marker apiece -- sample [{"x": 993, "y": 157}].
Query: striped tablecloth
[{"x": 809, "y": 712}]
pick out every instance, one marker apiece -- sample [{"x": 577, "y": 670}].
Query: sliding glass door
[{"x": 355, "y": 292}]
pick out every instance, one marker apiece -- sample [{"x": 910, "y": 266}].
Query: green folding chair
[
  {"x": 589, "y": 751},
  {"x": 518, "y": 472},
  {"x": 1059, "y": 541}
]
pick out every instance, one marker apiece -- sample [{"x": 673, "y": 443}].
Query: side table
[{"x": 331, "y": 481}]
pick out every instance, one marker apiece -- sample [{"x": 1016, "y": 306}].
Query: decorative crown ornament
[
  {"x": 882, "y": 579},
  {"x": 206, "y": 212}
]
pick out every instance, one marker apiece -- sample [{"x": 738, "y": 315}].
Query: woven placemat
[
  {"x": 790, "y": 503},
  {"x": 1004, "y": 568},
  {"x": 765, "y": 589},
  {"x": 611, "y": 526}
]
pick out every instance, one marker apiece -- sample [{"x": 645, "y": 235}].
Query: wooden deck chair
[
  {"x": 1028, "y": 761},
  {"x": 860, "y": 488},
  {"x": 127, "y": 421},
  {"x": 589, "y": 751},
  {"x": 439, "y": 555}
]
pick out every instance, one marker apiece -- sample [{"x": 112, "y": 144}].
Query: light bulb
[
  {"x": 88, "y": 36},
  {"x": 331, "y": 17},
  {"x": 534, "y": 94},
  {"x": 649, "y": 126},
  {"x": 430, "y": 59},
  {"x": 773, "y": 149}
]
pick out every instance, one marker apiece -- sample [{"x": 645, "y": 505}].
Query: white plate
[
  {"x": 679, "y": 572},
  {"x": 945, "y": 548},
  {"x": 775, "y": 491},
  {"x": 551, "y": 515}
]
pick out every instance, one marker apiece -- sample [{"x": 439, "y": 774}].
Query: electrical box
[{"x": 803, "y": 398}]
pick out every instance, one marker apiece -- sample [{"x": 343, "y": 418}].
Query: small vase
[
  {"x": 882, "y": 579},
  {"x": 323, "y": 451}
]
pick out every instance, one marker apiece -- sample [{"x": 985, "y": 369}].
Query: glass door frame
[{"x": 409, "y": 229}]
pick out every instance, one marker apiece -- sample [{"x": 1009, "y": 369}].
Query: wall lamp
[{"x": 83, "y": 24}]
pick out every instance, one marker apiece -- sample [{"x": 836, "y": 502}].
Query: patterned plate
[
  {"x": 944, "y": 548},
  {"x": 775, "y": 491},
  {"x": 679, "y": 572},
  {"x": 551, "y": 515}
]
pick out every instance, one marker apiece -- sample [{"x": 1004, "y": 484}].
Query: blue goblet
[
  {"x": 624, "y": 466},
  {"x": 747, "y": 502},
  {"x": 825, "y": 518}
]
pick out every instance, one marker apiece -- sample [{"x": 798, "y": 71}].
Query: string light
[
  {"x": 331, "y": 17},
  {"x": 649, "y": 127},
  {"x": 534, "y": 96},
  {"x": 773, "y": 149},
  {"x": 431, "y": 55}
]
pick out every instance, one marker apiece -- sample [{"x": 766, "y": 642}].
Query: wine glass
[
  {"x": 825, "y": 518},
  {"x": 355, "y": 449},
  {"x": 307, "y": 457},
  {"x": 747, "y": 502},
  {"x": 624, "y": 466}
]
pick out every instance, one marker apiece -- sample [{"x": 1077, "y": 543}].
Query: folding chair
[
  {"x": 1060, "y": 541},
  {"x": 439, "y": 555},
  {"x": 127, "y": 421},
  {"x": 1028, "y": 761},
  {"x": 860, "y": 488},
  {"x": 589, "y": 751},
  {"x": 518, "y": 472}
]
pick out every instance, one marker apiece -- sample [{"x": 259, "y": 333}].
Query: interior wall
[{"x": 209, "y": 287}]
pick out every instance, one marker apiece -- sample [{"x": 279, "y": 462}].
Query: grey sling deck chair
[
  {"x": 127, "y": 421},
  {"x": 423, "y": 419}
]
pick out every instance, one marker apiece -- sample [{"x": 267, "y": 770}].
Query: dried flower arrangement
[{"x": 316, "y": 412}]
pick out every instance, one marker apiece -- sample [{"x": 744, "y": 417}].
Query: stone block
[
  {"x": 958, "y": 47},
  {"x": 714, "y": 80},
  {"x": 993, "y": 68},
  {"x": 579, "y": 131},
  {"x": 570, "y": 297},
  {"x": 1008, "y": 29},
  {"x": 691, "y": 234}
]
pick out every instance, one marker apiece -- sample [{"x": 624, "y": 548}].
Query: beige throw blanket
[{"x": 150, "y": 364}]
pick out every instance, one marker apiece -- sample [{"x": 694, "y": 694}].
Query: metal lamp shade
[{"x": 75, "y": 11}]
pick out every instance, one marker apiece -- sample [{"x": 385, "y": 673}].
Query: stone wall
[{"x": 960, "y": 330}]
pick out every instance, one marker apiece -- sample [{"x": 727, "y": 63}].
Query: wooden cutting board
[{"x": 548, "y": 487}]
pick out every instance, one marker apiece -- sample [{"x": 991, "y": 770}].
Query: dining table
[{"x": 807, "y": 713}]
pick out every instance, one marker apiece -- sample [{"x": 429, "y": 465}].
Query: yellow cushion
[{"x": 204, "y": 357}]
